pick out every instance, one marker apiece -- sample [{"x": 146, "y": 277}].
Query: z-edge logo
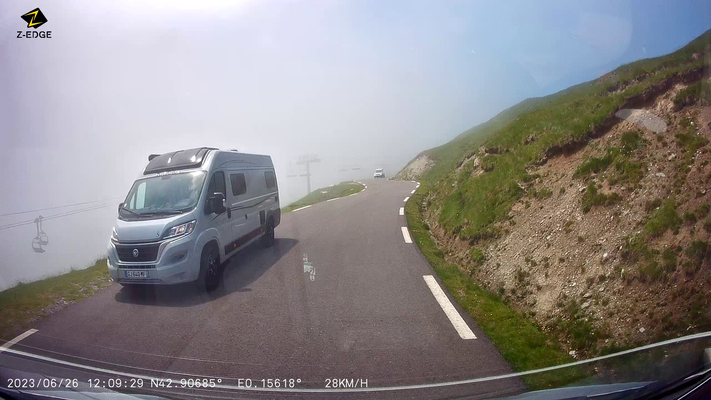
[{"x": 34, "y": 18}]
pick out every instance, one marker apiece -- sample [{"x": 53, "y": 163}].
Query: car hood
[{"x": 147, "y": 230}]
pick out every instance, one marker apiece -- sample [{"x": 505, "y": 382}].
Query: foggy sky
[{"x": 360, "y": 83}]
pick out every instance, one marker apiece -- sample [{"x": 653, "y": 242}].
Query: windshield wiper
[
  {"x": 130, "y": 212},
  {"x": 168, "y": 212}
]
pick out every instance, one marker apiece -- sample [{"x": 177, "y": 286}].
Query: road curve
[{"x": 362, "y": 310}]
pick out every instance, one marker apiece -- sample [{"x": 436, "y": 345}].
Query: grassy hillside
[
  {"x": 323, "y": 194},
  {"x": 533, "y": 129},
  {"x": 26, "y": 303},
  {"x": 464, "y": 221}
]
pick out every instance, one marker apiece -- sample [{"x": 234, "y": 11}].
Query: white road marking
[
  {"x": 335, "y": 198},
  {"x": 9, "y": 344},
  {"x": 300, "y": 208},
  {"x": 406, "y": 199},
  {"x": 413, "y": 191},
  {"x": 449, "y": 310},
  {"x": 402, "y": 210},
  {"x": 418, "y": 183},
  {"x": 406, "y": 235}
]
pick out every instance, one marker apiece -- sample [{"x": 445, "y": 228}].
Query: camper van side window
[
  {"x": 217, "y": 184},
  {"x": 270, "y": 178},
  {"x": 239, "y": 185}
]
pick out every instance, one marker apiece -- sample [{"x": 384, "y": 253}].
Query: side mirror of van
[
  {"x": 217, "y": 204},
  {"x": 119, "y": 207}
]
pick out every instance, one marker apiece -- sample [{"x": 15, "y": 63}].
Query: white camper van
[{"x": 190, "y": 211}]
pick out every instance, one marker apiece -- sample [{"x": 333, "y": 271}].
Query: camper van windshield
[{"x": 163, "y": 195}]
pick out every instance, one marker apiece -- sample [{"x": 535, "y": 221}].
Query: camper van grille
[{"x": 146, "y": 252}]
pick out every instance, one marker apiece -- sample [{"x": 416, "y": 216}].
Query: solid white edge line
[
  {"x": 406, "y": 199},
  {"x": 449, "y": 310},
  {"x": 406, "y": 235},
  {"x": 301, "y": 208},
  {"x": 9, "y": 344},
  {"x": 402, "y": 210}
]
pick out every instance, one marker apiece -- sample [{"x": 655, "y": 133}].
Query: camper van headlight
[
  {"x": 180, "y": 230},
  {"x": 114, "y": 235}
]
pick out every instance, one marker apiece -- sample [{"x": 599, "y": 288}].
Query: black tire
[
  {"x": 268, "y": 238},
  {"x": 210, "y": 271}
]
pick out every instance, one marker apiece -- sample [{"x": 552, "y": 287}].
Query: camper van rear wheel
[
  {"x": 209, "y": 277},
  {"x": 268, "y": 238}
]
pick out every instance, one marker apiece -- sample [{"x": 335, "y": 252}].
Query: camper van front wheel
[{"x": 209, "y": 277}]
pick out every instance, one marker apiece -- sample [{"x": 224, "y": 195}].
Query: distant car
[{"x": 379, "y": 173}]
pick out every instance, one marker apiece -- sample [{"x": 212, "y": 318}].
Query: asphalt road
[{"x": 368, "y": 314}]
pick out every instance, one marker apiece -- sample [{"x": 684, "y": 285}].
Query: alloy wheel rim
[{"x": 211, "y": 265}]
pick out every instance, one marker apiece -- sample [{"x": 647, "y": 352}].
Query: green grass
[
  {"x": 703, "y": 210},
  {"x": 651, "y": 270},
  {"x": 625, "y": 171},
  {"x": 593, "y": 197},
  {"x": 690, "y": 141},
  {"x": 543, "y": 193},
  {"x": 663, "y": 219},
  {"x": 331, "y": 192},
  {"x": 582, "y": 333},
  {"x": 523, "y": 344},
  {"x": 593, "y": 165},
  {"x": 476, "y": 255},
  {"x": 636, "y": 249},
  {"x": 630, "y": 141},
  {"x": 689, "y": 217},
  {"x": 24, "y": 304},
  {"x": 669, "y": 259},
  {"x": 697, "y": 252},
  {"x": 693, "y": 93}
]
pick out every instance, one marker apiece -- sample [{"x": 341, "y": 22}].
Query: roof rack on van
[{"x": 176, "y": 160}]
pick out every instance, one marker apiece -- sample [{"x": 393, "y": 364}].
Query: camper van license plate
[{"x": 136, "y": 274}]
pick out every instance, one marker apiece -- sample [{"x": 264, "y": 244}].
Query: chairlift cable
[
  {"x": 63, "y": 214},
  {"x": 56, "y": 207}
]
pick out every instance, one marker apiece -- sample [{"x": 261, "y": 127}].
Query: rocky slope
[{"x": 589, "y": 211}]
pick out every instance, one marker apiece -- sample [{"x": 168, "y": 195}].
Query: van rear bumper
[{"x": 176, "y": 263}]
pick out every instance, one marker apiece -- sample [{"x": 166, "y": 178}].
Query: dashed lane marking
[
  {"x": 449, "y": 310},
  {"x": 406, "y": 235}
]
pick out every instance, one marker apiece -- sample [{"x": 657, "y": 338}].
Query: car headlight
[
  {"x": 180, "y": 230},
  {"x": 114, "y": 235}
]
